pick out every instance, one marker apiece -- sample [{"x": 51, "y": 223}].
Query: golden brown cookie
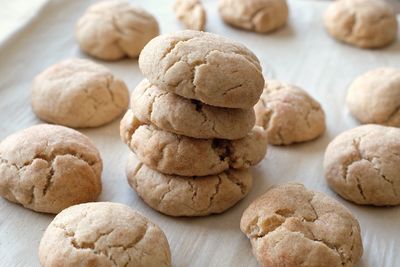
[
  {"x": 192, "y": 118},
  {"x": 292, "y": 226},
  {"x": 103, "y": 234},
  {"x": 289, "y": 114},
  {"x": 188, "y": 196},
  {"x": 48, "y": 168},
  {"x": 78, "y": 93},
  {"x": 363, "y": 165},
  {"x": 203, "y": 66},
  {"x": 181, "y": 155}
]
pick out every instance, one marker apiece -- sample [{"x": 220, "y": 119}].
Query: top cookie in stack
[
  {"x": 205, "y": 67},
  {"x": 191, "y": 124}
]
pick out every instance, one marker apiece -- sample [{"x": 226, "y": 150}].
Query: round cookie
[
  {"x": 177, "y": 154},
  {"x": 288, "y": 114},
  {"x": 78, "y": 93},
  {"x": 48, "y": 168},
  {"x": 363, "y": 165},
  {"x": 203, "y": 66},
  {"x": 191, "y": 13},
  {"x": 103, "y": 234},
  {"x": 362, "y": 23},
  {"x": 374, "y": 97},
  {"x": 179, "y": 115},
  {"x": 188, "y": 196},
  {"x": 111, "y": 30},
  {"x": 292, "y": 226},
  {"x": 254, "y": 15}
]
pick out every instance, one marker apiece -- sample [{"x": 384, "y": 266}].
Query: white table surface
[{"x": 301, "y": 53}]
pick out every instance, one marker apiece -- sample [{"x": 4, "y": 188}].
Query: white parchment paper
[{"x": 302, "y": 54}]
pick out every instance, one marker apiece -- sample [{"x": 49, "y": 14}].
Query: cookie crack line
[
  {"x": 92, "y": 244},
  {"x": 198, "y": 63},
  {"x": 50, "y": 161},
  {"x": 360, "y": 157}
]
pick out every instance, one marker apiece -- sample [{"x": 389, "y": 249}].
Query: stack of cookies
[{"x": 191, "y": 124}]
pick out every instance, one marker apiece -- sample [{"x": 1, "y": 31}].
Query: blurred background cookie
[
  {"x": 114, "y": 29},
  {"x": 374, "y": 97},
  {"x": 191, "y": 13},
  {"x": 47, "y": 168},
  {"x": 362, "y": 23},
  {"x": 261, "y": 16},
  {"x": 78, "y": 93}
]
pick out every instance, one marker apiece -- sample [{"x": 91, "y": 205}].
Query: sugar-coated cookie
[
  {"x": 289, "y": 114},
  {"x": 181, "y": 155},
  {"x": 362, "y": 23},
  {"x": 188, "y": 196},
  {"x": 114, "y": 29},
  {"x": 363, "y": 165},
  {"x": 374, "y": 97},
  {"x": 254, "y": 15},
  {"x": 191, "y": 13},
  {"x": 103, "y": 234},
  {"x": 203, "y": 66},
  {"x": 179, "y": 115},
  {"x": 78, "y": 93},
  {"x": 292, "y": 226},
  {"x": 48, "y": 168}
]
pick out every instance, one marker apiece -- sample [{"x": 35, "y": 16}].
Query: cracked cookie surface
[
  {"x": 289, "y": 114},
  {"x": 112, "y": 30},
  {"x": 78, "y": 93},
  {"x": 203, "y": 66},
  {"x": 294, "y": 227},
  {"x": 254, "y": 15},
  {"x": 191, "y": 13},
  {"x": 181, "y": 155},
  {"x": 103, "y": 234},
  {"x": 374, "y": 97},
  {"x": 363, "y": 165},
  {"x": 363, "y": 23},
  {"x": 188, "y": 196},
  {"x": 179, "y": 115},
  {"x": 47, "y": 168}
]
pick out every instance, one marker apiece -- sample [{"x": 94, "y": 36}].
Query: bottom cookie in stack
[{"x": 188, "y": 196}]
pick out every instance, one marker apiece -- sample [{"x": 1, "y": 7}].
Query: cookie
[
  {"x": 362, "y": 23},
  {"x": 103, "y": 234},
  {"x": 112, "y": 30},
  {"x": 179, "y": 115},
  {"x": 203, "y": 66},
  {"x": 289, "y": 114},
  {"x": 374, "y": 97},
  {"x": 78, "y": 93},
  {"x": 188, "y": 196},
  {"x": 292, "y": 226},
  {"x": 48, "y": 168},
  {"x": 260, "y": 16},
  {"x": 191, "y": 13},
  {"x": 363, "y": 165},
  {"x": 177, "y": 154}
]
